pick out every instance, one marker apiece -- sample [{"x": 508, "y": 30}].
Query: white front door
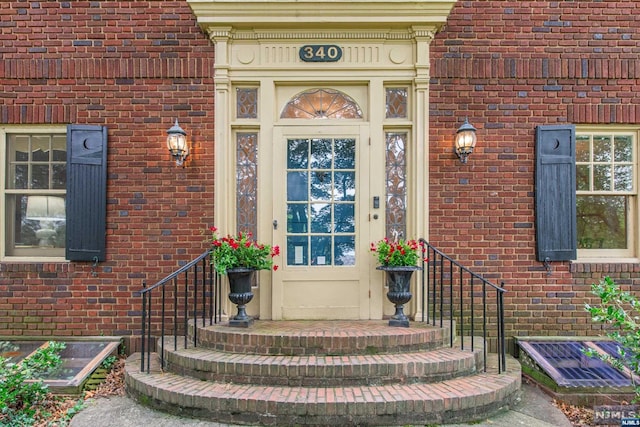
[{"x": 321, "y": 197}]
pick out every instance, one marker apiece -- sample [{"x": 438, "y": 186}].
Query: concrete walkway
[{"x": 535, "y": 409}]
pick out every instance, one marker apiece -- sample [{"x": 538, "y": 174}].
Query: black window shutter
[
  {"x": 556, "y": 193},
  {"x": 86, "y": 192}
]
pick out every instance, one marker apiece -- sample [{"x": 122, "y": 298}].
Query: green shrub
[
  {"x": 619, "y": 310},
  {"x": 20, "y": 389}
]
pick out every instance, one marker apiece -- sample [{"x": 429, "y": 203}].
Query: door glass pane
[
  {"x": 321, "y": 104},
  {"x": 320, "y": 250},
  {"x": 247, "y": 183},
  {"x": 297, "y": 218},
  {"x": 345, "y": 220},
  {"x": 297, "y": 250},
  {"x": 298, "y": 153},
  {"x": 345, "y": 188},
  {"x": 345, "y": 252},
  {"x": 247, "y": 103},
  {"x": 396, "y": 179},
  {"x": 297, "y": 186},
  {"x": 396, "y": 102},
  {"x": 347, "y": 150},
  {"x": 320, "y": 153},
  {"x": 321, "y": 192},
  {"x": 321, "y": 185},
  {"x": 320, "y": 218}
]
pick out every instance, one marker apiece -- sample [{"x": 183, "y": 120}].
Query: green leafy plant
[
  {"x": 71, "y": 412},
  {"x": 20, "y": 389},
  {"x": 108, "y": 362},
  {"x": 240, "y": 251},
  {"x": 400, "y": 253},
  {"x": 619, "y": 310}
]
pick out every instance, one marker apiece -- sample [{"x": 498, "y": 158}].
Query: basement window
[{"x": 568, "y": 366}]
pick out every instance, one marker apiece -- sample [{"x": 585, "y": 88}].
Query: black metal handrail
[
  {"x": 452, "y": 293},
  {"x": 192, "y": 292}
]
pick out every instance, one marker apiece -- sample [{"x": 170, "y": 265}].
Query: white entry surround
[{"x": 360, "y": 49}]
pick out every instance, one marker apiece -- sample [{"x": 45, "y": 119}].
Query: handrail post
[
  {"x": 149, "y": 332},
  {"x": 195, "y": 308},
  {"x": 144, "y": 315},
  {"x": 209, "y": 282},
  {"x": 175, "y": 315},
  {"x": 162, "y": 321},
  {"x": 186, "y": 313},
  {"x": 422, "y": 280},
  {"x": 204, "y": 295},
  {"x": 473, "y": 314},
  {"x": 484, "y": 322},
  {"x": 462, "y": 310},
  {"x": 502, "y": 332}
]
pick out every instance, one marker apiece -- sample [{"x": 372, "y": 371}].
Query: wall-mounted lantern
[
  {"x": 465, "y": 140},
  {"x": 177, "y": 143}
]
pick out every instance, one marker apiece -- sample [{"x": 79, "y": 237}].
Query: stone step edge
[
  {"x": 458, "y": 400},
  {"x": 427, "y": 366},
  {"x": 383, "y": 339}
]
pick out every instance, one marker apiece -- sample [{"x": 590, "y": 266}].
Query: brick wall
[
  {"x": 509, "y": 66},
  {"x": 135, "y": 67}
]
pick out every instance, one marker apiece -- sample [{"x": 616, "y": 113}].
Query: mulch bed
[{"x": 578, "y": 416}]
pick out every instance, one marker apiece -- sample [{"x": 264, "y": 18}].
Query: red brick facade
[
  {"x": 511, "y": 66},
  {"x": 135, "y": 66}
]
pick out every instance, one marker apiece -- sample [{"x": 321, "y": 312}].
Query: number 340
[{"x": 320, "y": 53}]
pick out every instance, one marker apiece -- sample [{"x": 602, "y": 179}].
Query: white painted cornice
[{"x": 354, "y": 16}]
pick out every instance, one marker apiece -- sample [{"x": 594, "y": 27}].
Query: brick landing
[
  {"x": 321, "y": 337},
  {"x": 333, "y": 373}
]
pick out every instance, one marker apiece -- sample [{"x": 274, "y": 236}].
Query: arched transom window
[{"x": 321, "y": 104}]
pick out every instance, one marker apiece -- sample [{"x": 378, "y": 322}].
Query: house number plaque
[{"x": 320, "y": 53}]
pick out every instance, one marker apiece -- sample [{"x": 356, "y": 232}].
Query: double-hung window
[
  {"x": 34, "y": 191},
  {"x": 53, "y": 192},
  {"x": 606, "y": 193}
]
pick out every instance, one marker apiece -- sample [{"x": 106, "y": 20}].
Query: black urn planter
[
  {"x": 240, "y": 281},
  {"x": 399, "y": 282}
]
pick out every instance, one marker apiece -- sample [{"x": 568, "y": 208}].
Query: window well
[
  {"x": 80, "y": 359},
  {"x": 568, "y": 366}
]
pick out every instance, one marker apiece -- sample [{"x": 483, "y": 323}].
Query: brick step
[
  {"x": 321, "y": 370},
  {"x": 457, "y": 400},
  {"x": 301, "y": 337}
]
